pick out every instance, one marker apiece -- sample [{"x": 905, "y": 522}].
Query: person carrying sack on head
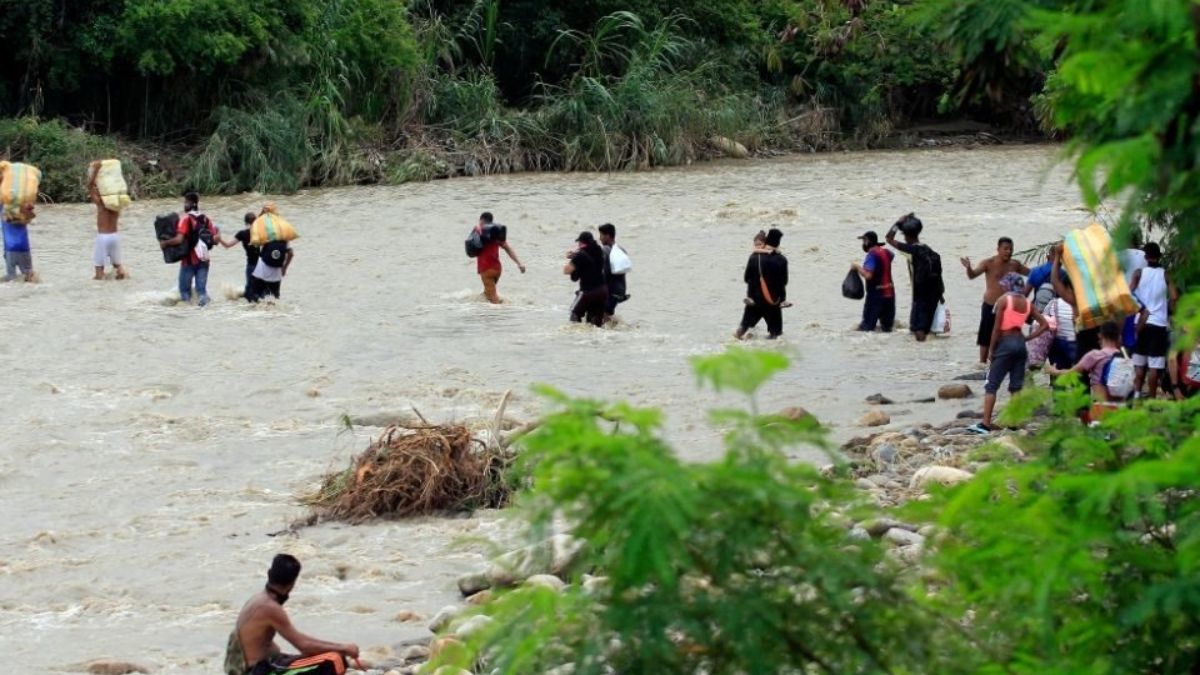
[
  {"x": 766, "y": 279},
  {"x": 925, "y": 270}
]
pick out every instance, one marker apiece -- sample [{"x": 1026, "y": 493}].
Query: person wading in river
[
  {"x": 252, "y": 650},
  {"x": 879, "y": 307},
  {"x": 488, "y": 262},
  {"x": 586, "y": 264},
  {"x": 925, "y": 271},
  {"x": 995, "y": 268},
  {"x": 617, "y": 289},
  {"x": 766, "y": 279},
  {"x": 108, "y": 241}
]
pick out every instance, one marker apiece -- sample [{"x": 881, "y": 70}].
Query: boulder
[
  {"x": 473, "y": 626},
  {"x": 875, "y": 418},
  {"x": 969, "y": 415},
  {"x": 938, "y": 475},
  {"x": 729, "y": 147},
  {"x": 794, "y": 413},
  {"x": 470, "y": 584},
  {"x": 442, "y": 619},
  {"x": 902, "y": 537},
  {"x": 594, "y": 585},
  {"x": 546, "y": 581},
  {"x": 415, "y": 653},
  {"x": 954, "y": 391},
  {"x": 481, "y": 598}
]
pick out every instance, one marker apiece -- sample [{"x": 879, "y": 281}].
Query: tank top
[
  {"x": 1010, "y": 318},
  {"x": 1065, "y": 315},
  {"x": 1152, "y": 292}
]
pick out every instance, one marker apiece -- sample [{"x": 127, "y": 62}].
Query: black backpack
[
  {"x": 927, "y": 272},
  {"x": 474, "y": 244},
  {"x": 200, "y": 231},
  {"x": 274, "y": 253}
]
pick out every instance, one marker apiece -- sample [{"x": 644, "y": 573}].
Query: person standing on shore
[
  {"x": 925, "y": 271},
  {"x": 1156, "y": 292},
  {"x": 586, "y": 264},
  {"x": 879, "y": 307},
  {"x": 488, "y": 262},
  {"x": 766, "y": 280},
  {"x": 107, "y": 248},
  {"x": 617, "y": 290},
  {"x": 1006, "y": 346},
  {"x": 995, "y": 268},
  {"x": 201, "y": 235},
  {"x": 251, "y": 649}
]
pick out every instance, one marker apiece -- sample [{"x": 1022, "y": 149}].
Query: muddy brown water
[{"x": 148, "y": 449}]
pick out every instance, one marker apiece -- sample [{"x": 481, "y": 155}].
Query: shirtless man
[
  {"x": 108, "y": 241},
  {"x": 995, "y": 268},
  {"x": 252, "y": 649}
]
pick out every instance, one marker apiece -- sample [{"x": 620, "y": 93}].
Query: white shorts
[
  {"x": 108, "y": 247},
  {"x": 1154, "y": 362}
]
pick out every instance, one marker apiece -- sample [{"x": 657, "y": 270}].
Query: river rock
[
  {"x": 977, "y": 376},
  {"x": 594, "y": 585},
  {"x": 442, "y": 619},
  {"x": 879, "y": 399},
  {"x": 729, "y": 147},
  {"x": 954, "y": 391},
  {"x": 876, "y": 527},
  {"x": 470, "y": 584},
  {"x": 969, "y": 415},
  {"x": 940, "y": 475},
  {"x": 407, "y": 615},
  {"x": 875, "y": 418},
  {"x": 902, "y": 537},
  {"x": 859, "y": 534},
  {"x": 884, "y": 457},
  {"x": 415, "y": 653},
  {"x": 864, "y": 484},
  {"x": 473, "y": 626},
  {"x": 516, "y": 566},
  {"x": 546, "y": 581},
  {"x": 481, "y": 598},
  {"x": 115, "y": 668},
  {"x": 1007, "y": 447},
  {"x": 794, "y": 413}
]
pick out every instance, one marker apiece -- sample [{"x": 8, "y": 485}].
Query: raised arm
[
  {"x": 307, "y": 644},
  {"x": 1060, "y": 289},
  {"x": 973, "y": 271}
]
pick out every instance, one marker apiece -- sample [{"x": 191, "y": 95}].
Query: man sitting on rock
[{"x": 252, "y": 650}]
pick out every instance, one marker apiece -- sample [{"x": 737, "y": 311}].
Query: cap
[
  {"x": 870, "y": 237},
  {"x": 585, "y": 237},
  {"x": 774, "y": 237}
]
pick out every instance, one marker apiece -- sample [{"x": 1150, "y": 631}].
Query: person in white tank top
[{"x": 1157, "y": 294}]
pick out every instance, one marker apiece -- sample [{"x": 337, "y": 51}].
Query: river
[{"x": 149, "y": 449}]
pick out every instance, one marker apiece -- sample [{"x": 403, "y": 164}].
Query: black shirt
[
  {"x": 589, "y": 271},
  {"x": 251, "y": 251},
  {"x": 774, "y": 271}
]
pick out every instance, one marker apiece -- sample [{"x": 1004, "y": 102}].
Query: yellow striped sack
[
  {"x": 1101, "y": 293},
  {"x": 18, "y": 187},
  {"x": 270, "y": 226},
  {"x": 110, "y": 182}
]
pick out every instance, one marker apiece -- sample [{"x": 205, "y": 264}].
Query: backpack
[
  {"x": 1118, "y": 376},
  {"x": 201, "y": 230},
  {"x": 474, "y": 243},
  {"x": 927, "y": 272},
  {"x": 274, "y": 253},
  {"x": 494, "y": 232}
]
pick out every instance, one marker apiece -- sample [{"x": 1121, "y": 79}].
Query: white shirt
[
  {"x": 1152, "y": 292},
  {"x": 266, "y": 272},
  {"x": 1132, "y": 260}
]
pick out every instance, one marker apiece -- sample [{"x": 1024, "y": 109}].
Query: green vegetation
[{"x": 275, "y": 96}]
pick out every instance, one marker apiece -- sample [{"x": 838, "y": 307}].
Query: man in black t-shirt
[{"x": 252, "y": 252}]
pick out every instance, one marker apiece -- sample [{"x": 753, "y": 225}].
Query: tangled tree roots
[{"x": 415, "y": 470}]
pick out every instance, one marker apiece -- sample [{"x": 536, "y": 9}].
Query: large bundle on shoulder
[
  {"x": 110, "y": 183},
  {"x": 1101, "y": 293},
  {"x": 270, "y": 226},
  {"x": 18, "y": 188},
  {"x": 479, "y": 238}
]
